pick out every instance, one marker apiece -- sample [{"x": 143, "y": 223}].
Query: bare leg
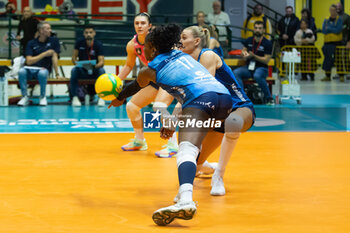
[
  {"x": 237, "y": 122},
  {"x": 140, "y": 100}
]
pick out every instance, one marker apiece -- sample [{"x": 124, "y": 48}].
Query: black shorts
[
  {"x": 217, "y": 105},
  {"x": 154, "y": 85}
]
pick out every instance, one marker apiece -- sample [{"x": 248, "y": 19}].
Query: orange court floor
[{"x": 276, "y": 182}]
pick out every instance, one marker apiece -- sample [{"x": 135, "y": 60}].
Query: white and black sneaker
[{"x": 181, "y": 210}]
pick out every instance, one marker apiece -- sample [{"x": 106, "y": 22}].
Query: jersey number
[{"x": 183, "y": 60}]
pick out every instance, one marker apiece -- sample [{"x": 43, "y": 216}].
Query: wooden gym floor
[{"x": 275, "y": 182}]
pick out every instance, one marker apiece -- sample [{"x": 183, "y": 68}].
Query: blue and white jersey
[
  {"x": 183, "y": 77},
  {"x": 225, "y": 76}
]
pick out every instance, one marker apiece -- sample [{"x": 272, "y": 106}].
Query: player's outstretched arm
[{"x": 146, "y": 75}]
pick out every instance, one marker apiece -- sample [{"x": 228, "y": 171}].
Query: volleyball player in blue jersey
[
  {"x": 202, "y": 97},
  {"x": 194, "y": 41}
]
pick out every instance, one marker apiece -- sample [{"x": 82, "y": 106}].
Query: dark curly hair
[{"x": 164, "y": 38}]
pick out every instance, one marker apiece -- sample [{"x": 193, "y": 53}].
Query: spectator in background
[
  {"x": 343, "y": 58},
  {"x": 306, "y": 15},
  {"x": 344, "y": 17},
  {"x": 305, "y": 36},
  {"x": 41, "y": 55},
  {"x": 10, "y": 9},
  {"x": 86, "y": 48},
  {"x": 27, "y": 28},
  {"x": 200, "y": 18},
  {"x": 220, "y": 17},
  {"x": 287, "y": 27},
  {"x": 257, "y": 15},
  {"x": 332, "y": 30},
  {"x": 257, "y": 52}
]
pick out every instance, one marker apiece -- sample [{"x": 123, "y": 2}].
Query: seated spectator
[
  {"x": 10, "y": 9},
  {"x": 306, "y": 15},
  {"x": 200, "y": 18},
  {"x": 218, "y": 17},
  {"x": 257, "y": 15},
  {"x": 333, "y": 37},
  {"x": 41, "y": 55},
  {"x": 257, "y": 53},
  {"x": 86, "y": 48},
  {"x": 287, "y": 27},
  {"x": 27, "y": 29},
  {"x": 305, "y": 36}
]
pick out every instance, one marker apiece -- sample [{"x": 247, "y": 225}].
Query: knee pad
[
  {"x": 133, "y": 111},
  {"x": 187, "y": 153},
  {"x": 233, "y": 126}
]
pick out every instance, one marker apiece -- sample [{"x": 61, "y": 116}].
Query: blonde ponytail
[{"x": 202, "y": 33}]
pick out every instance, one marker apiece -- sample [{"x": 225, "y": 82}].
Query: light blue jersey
[
  {"x": 225, "y": 76},
  {"x": 183, "y": 77}
]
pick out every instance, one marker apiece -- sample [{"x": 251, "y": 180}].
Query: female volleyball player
[
  {"x": 202, "y": 98},
  {"x": 194, "y": 41},
  {"x": 214, "y": 44},
  {"x": 135, "y": 48}
]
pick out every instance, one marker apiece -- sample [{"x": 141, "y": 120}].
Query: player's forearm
[
  {"x": 129, "y": 89},
  {"x": 125, "y": 72}
]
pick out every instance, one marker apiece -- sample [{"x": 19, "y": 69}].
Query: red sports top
[{"x": 139, "y": 51}]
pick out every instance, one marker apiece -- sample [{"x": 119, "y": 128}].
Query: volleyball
[{"x": 108, "y": 86}]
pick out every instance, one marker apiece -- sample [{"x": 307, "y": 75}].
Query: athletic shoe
[
  {"x": 182, "y": 210},
  {"x": 135, "y": 145},
  {"x": 326, "y": 79},
  {"x": 170, "y": 149},
  {"x": 217, "y": 186},
  {"x": 177, "y": 198},
  {"x": 100, "y": 102},
  {"x": 206, "y": 169},
  {"x": 76, "y": 102},
  {"x": 24, "y": 101},
  {"x": 43, "y": 101}
]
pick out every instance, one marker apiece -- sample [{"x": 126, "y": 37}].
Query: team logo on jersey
[{"x": 139, "y": 51}]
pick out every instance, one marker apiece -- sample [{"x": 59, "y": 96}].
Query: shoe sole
[
  {"x": 217, "y": 194},
  {"x": 165, "y": 217},
  {"x": 134, "y": 149},
  {"x": 171, "y": 154}
]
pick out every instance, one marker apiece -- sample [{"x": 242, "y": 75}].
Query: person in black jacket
[
  {"x": 287, "y": 27},
  {"x": 27, "y": 29}
]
